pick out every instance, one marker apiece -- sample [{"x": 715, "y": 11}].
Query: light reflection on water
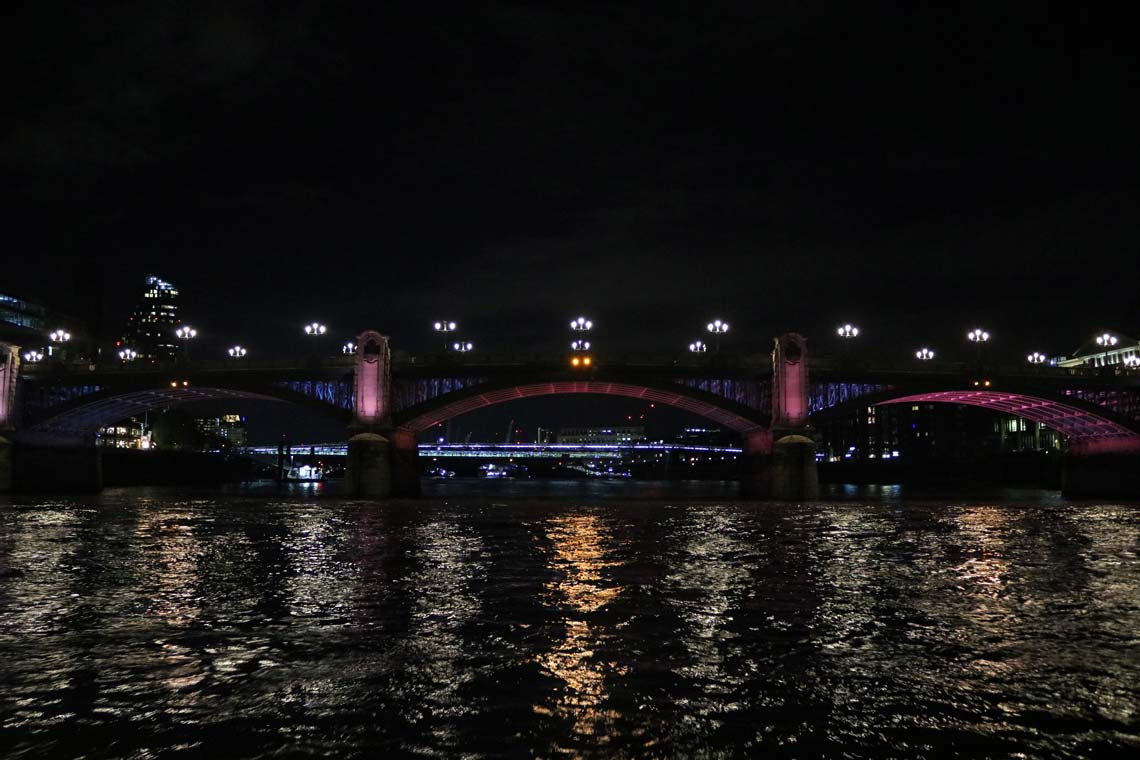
[{"x": 143, "y": 621}]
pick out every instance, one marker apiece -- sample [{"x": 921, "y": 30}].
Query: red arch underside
[
  {"x": 721, "y": 416},
  {"x": 1080, "y": 426}
]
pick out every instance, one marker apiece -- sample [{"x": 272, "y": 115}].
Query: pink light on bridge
[
  {"x": 709, "y": 410},
  {"x": 790, "y": 382},
  {"x": 1087, "y": 431},
  {"x": 373, "y": 378}
]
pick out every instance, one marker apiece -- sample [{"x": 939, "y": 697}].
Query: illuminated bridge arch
[
  {"x": 728, "y": 414},
  {"x": 89, "y": 414},
  {"x": 1089, "y": 428}
]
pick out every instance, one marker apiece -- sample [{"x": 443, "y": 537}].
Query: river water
[{"x": 577, "y": 620}]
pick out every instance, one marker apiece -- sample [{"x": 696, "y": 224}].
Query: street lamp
[
  {"x": 185, "y": 334},
  {"x": 717, "y": 328},
  {"x": 979, "y": 338},
  {"x": 236, "y": 352},
  {"x": 848, "y": 331},
  {"x": 580, "y": 345},
  {"x": 128, "y": 354},
  {"x": 58, "y": 336},
  {"x": 581, "y": 324},
  {"x": 33, "y": 356},
  {"x": 316, "y": 329},
  {"x": 1106, "y": 340},
  {"x": 698, "y": 347},
  {"x": 1036, "y": 358},
  {"x": 348, "y": 348},
  {"x": 924, "y": 354},
  {"x": 443, "y": 327},
  {"x": 1132, "y": 362},
  {"x": 463, "y": 346}
]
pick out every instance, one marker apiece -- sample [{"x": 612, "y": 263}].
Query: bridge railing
[{"x": 1004, "y": 369}]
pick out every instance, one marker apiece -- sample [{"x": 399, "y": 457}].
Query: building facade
[
  {"x": 1106, "y": 350},
  {"x": 150, "y": 328},
  {"x": 227, "y": 430},
  {"x": 607, "y": 434}
]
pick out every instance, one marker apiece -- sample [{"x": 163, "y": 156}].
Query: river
[{"x": 568, "y": 619}]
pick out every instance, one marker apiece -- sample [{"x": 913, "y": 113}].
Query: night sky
[{"x": 785, "y": 166}]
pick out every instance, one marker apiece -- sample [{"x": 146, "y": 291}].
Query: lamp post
[
  {"x": 979, "y": 338},
  {"x": 1036, "y": 358},
  {"x": 924, "y": 354},
  {"x": 717, "y": 328},
  {"x": 315, "y": 329},
  {"x": 444, "y": 327},
  {"x": 128, "y": 355},
  {"x": 186, "y": 333},
  {"x": 579, "y": 345},
  {"x": 236, "y": 352},
  {"x": 847, "y": 333},
  {"x": 463, "y": 346},
  {"x": 1132, "y": 362},
  {"x": 60, "y": 337},
  {"x": 33, "y": 356},
  {"x": 698, "y": 347},
  {"x": 348, "y": 348},
  {"x": 581, "y": 325}
]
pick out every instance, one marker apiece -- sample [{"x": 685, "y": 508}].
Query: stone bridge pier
[
  {"x": 792, "y": 474},
  {"x": 382, "y": 461},
  {"x": 9, "y": 367},
  {"x": 46, "y": 462}
]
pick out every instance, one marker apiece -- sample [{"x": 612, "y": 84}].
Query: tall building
[
  {"x": 225, "y": 429},
  {"x": 150, "y": 328}
]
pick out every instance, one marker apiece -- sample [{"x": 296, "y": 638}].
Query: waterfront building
[
  {"x": 607, "y": 434},
  {"x": 27, "y": 323},
  {"x": 128, "y": 434},
  {"x": 150, "y": 328},
  {"x": 226, "y": 429},
  {"x": 19, "y": 313},
  {"x": 1106, "y": 350}
]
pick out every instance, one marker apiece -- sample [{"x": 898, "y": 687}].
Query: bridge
[{"x": 51, "y": 412}]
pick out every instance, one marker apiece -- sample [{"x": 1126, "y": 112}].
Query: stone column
[
  {"x": 794, "y": 475},
  {"x": 368, "y": 472},
  {"x": 405, "y": 464},
  {"x": 756, "y": 465},
  {"x": 6, "y": 450},
  {"x": 57, "y": 463},
  {"x": 9, "y": 372},
  {"x": 1102, "y": 468}
]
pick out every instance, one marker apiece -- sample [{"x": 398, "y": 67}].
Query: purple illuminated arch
[
  {"x": 678, "y": 399},
  {"x": 89, "y": 418},
  {"x": 1087, "y": 431}
]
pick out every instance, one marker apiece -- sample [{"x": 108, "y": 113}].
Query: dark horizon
[{"x": 917, "y": 171}]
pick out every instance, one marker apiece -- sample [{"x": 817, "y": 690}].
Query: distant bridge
[{"x": 515, "y": 450}]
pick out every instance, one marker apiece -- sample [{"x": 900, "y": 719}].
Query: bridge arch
[
  {"x": 86, "y": 415},
  {"x": 752, "y": 424},
  {"x": 1088, "y": 428}
]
